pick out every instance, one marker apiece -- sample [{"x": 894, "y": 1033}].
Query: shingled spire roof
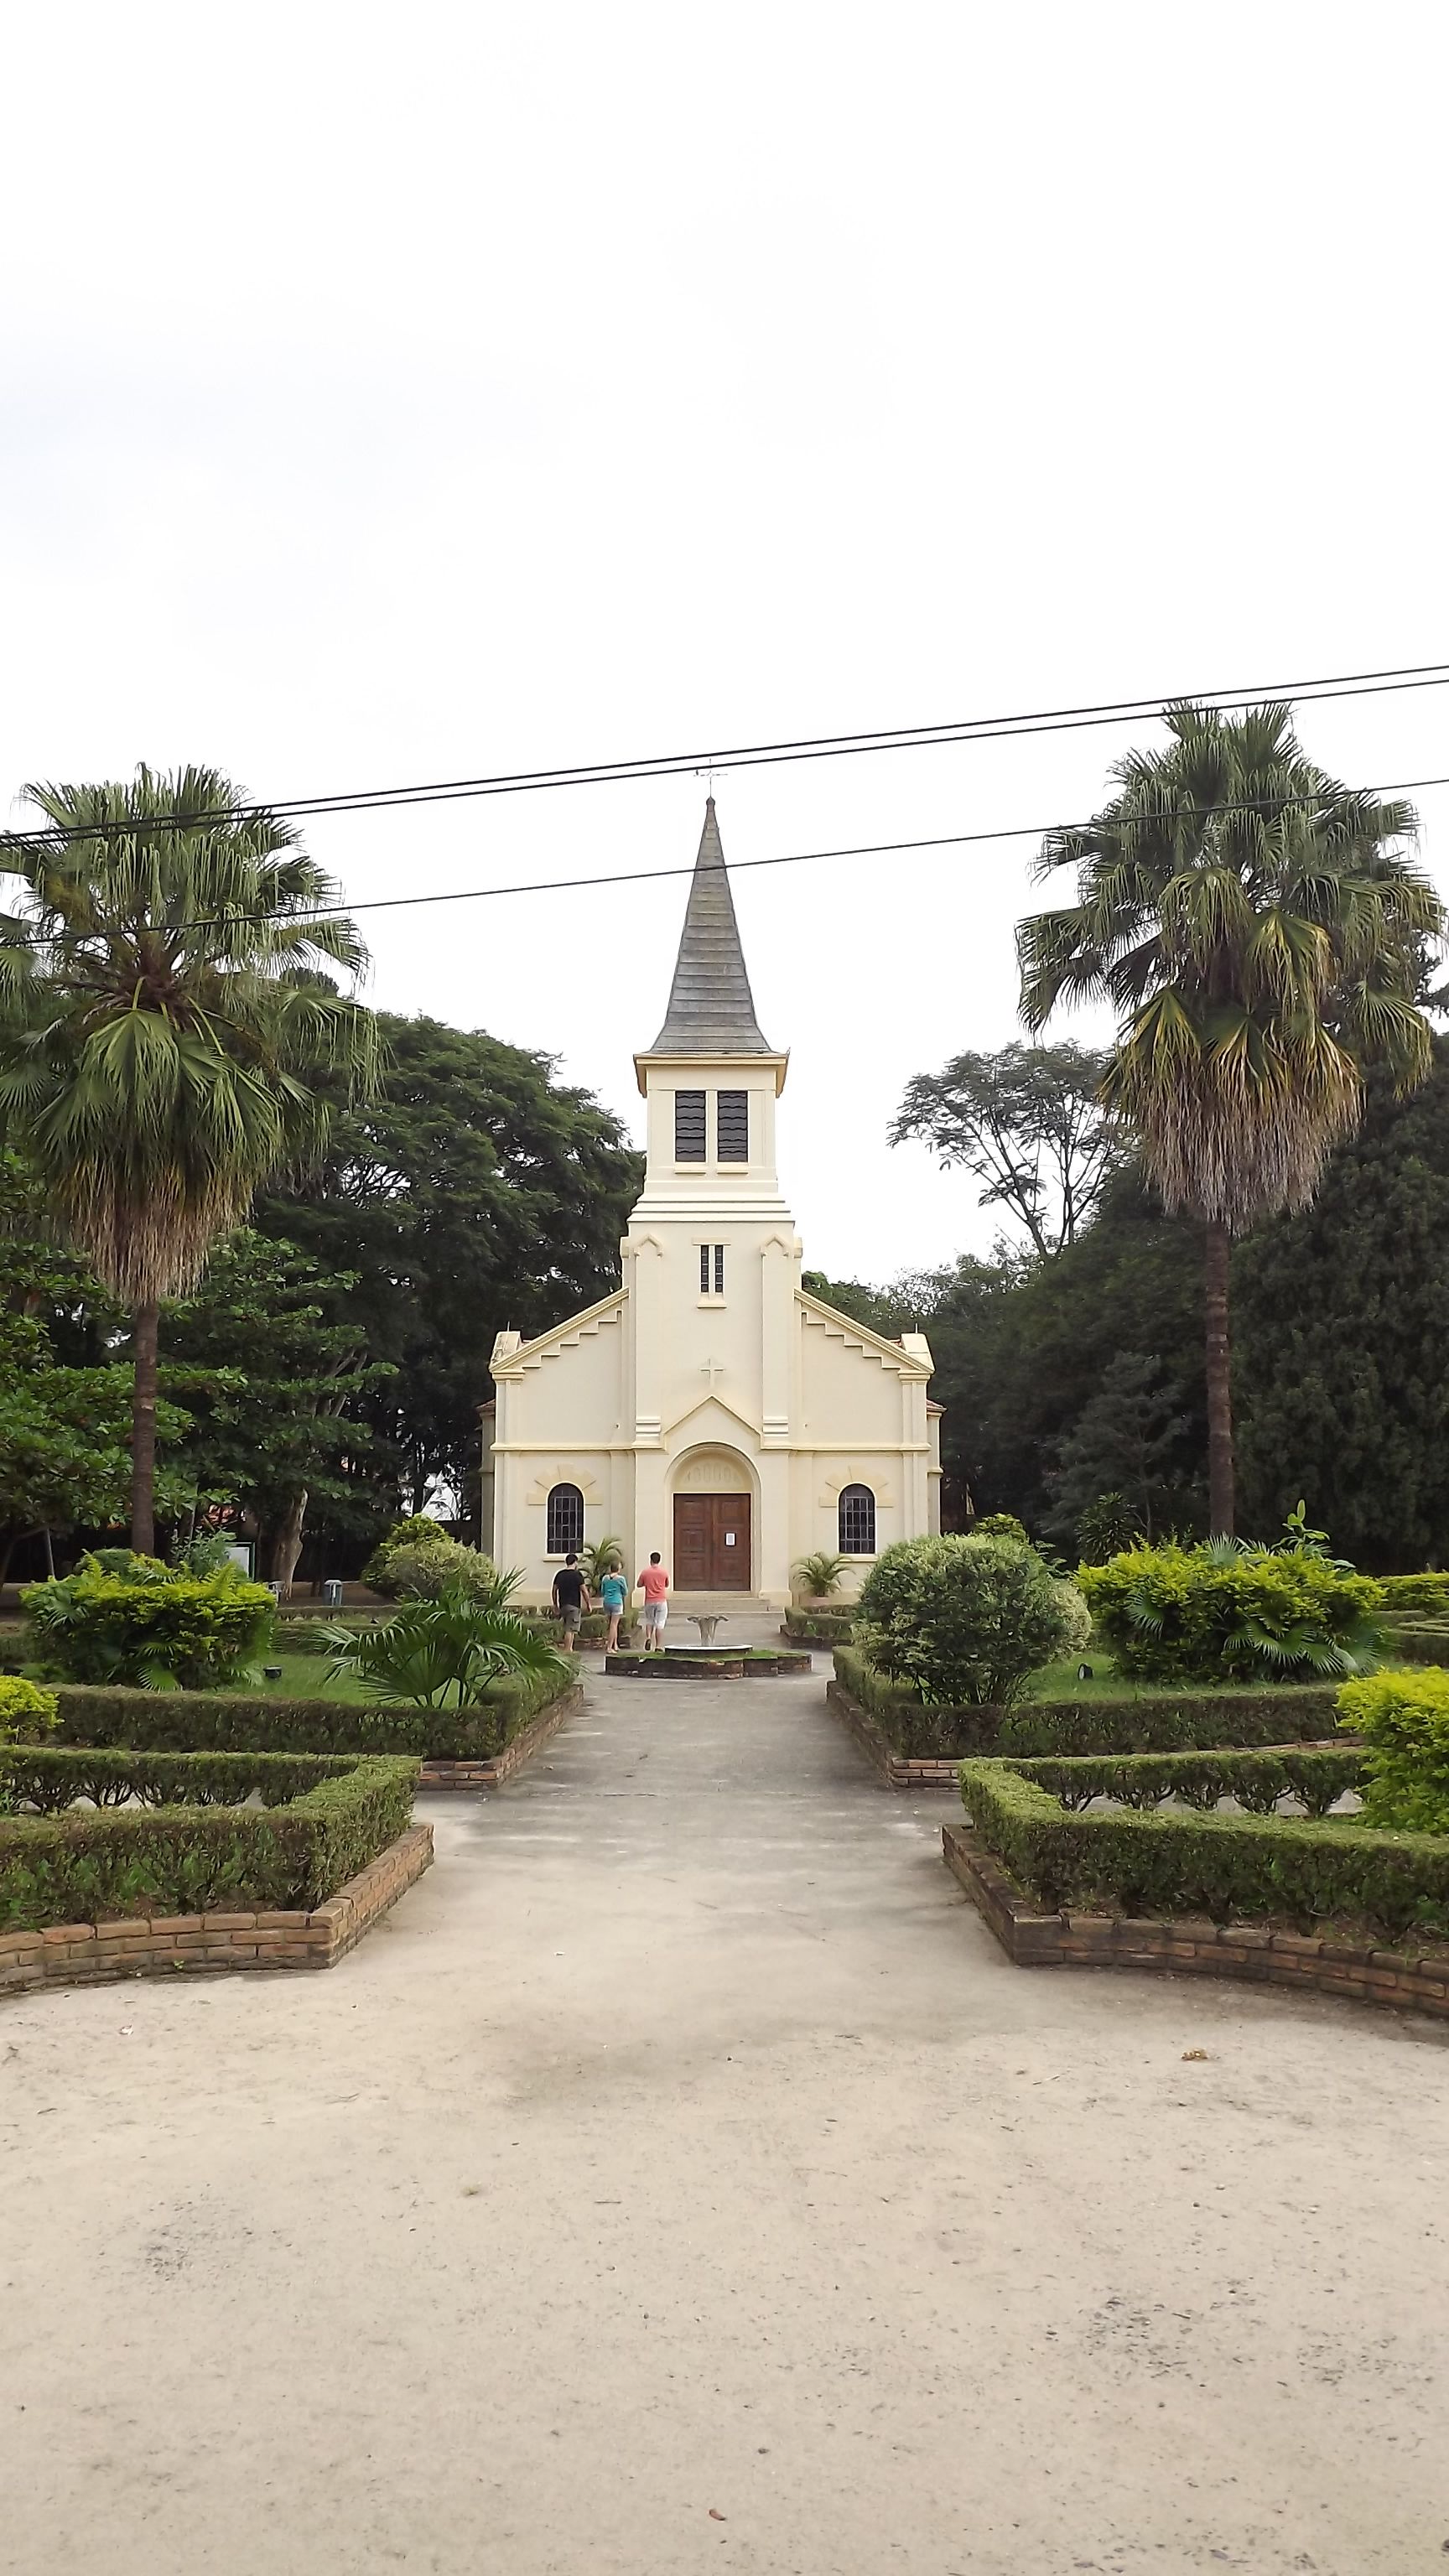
[{"x": 711, "y": 1009}]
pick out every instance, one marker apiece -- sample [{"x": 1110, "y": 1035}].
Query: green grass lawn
[
  {"x": 1059, "y": 1681},
  {"x": 306, "y": 1677}
]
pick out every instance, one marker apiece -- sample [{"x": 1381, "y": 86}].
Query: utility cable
[
  {"x": 968, "y": 729},
  {"x": 733, "y": 867}
]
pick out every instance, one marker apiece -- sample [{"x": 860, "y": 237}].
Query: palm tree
[
  {"x": 1262, "y": 933},
  {"x": 168, "y": 1036}
]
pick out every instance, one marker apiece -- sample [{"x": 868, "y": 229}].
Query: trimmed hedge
[
  {"x": 90, "y": 1866},
  {"x": 238, "y": 1722},
  {"x": 1425, "y": 1642},
  {"x": 1168, "y": 1722},
  {"x": 1257, "y": 1781},
  {"x": 819, "y": 1627},
  {"x": 51, "y": 1778},
  {"x": 1225, "y": 1867},
  {"x": 1415, "y": 1596}
]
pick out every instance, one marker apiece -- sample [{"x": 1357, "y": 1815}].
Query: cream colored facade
[{"x": 711, "y": 1372}]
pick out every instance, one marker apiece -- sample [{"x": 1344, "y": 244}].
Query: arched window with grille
[
  {"x": 565, "y": 1519},
  {"x": 857, "y": 1521}
]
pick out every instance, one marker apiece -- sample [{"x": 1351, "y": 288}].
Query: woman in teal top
[{"x": 614, "y": 1592}]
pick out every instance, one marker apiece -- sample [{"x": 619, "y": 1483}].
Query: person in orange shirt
[{"x": 654, "y": 1584}]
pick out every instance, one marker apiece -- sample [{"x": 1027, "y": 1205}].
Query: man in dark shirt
[{"x": 570, "y": 1599}]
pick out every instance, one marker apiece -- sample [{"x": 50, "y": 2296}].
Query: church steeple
[{"x": 711, "y": 1008}]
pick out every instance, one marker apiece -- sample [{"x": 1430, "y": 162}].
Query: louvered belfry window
[
  {"x": 689, "y": 1127},
  {"x": 857, "y": 1521},
  {"x": 711, "y": 1269},
  {"x": 732, "y": 1127}
]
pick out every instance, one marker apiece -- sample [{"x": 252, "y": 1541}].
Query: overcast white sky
[{"x": 400, "y": 393}]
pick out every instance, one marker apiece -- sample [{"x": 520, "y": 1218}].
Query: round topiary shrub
[
  {"x": 436, "y": 1566},
  {"x": 962, "y": 1621}
]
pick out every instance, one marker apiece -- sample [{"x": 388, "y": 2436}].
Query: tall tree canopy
[
  {"x": 1028, "y": 1124},
  {"x": 473, "y": 1191},
  {"x": 1262, "y": 933},
  {"x": 1343, "y": 1328},
  {"x": 166, "y": 1037}
]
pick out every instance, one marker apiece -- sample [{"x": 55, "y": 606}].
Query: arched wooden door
[{"x": 711, "y": 1542}]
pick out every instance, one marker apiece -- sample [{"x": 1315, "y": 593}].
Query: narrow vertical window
[
  {"x": 732, "y": 1126},
  {"x": 857, "y": 1521},
  {"x": 704, "y": 1270},
  {"x": 711, "y": 1269},
  {"x": 689, "y": 1126},
  {"x": 719, "y": 1270}
]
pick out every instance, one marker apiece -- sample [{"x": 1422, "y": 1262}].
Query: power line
[
  {"x": 733, "y": 867},
  {"x": 967, "y": 729}
]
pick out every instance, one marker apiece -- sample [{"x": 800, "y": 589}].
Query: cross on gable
[{"x": 712, "y": 1369}]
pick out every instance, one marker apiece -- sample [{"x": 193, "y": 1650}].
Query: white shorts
[{"x": 655, "y": 1613}]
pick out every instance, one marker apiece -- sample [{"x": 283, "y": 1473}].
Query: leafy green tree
[
  {"x": 166, "y": 1037},
  {"x": 1028, "y": 1124},
  {"x": 1343, "y": 1327},
  {"x": 1126, "y": 1441},
  {"x": 472, "y": 1191},
  {"x": 271, "y": 1385},
  {"x": 1262, "y": 936}
]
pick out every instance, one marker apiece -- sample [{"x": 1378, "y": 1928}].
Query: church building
[{"x": 710, "y": 1407}]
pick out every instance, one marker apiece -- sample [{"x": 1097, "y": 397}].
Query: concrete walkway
[{"x": 680, "y": 2180}]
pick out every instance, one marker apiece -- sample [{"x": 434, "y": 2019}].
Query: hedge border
[
  {"x": 1166, "y": 1722},
  {"x": 1253, "y": 1867},
  {"x": 130, "y": 1862},
  {"x": 245, "y": 1722},
  {"x": 1415, "y": 1981},
  {"x": 86, "y": 1954}
]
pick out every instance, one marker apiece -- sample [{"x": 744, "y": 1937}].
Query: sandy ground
[{"x": 679, "y": 2179}]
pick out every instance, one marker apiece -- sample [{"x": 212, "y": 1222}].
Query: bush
[
  {"x": 1256, "y": 1781},
  {"x": 1217, "y": 1613},
  {"x": 1106, "y": 1527},
  {"x": 1275, "y": 1867},
  {"x": 233, "y": 1721},
  {"x": 1403, "y": 1718},
  {"x": 426, "y": 1571},
  {"x": 130, "y": 1619},
  {"x": 190, "y": 1858},
  {"x": 963, "y": 1620},
  {"x": 27, "y": 1713},
  {"x": 1072, "y": 1603},
  {"x": 417, "y": 1531},
  {"x": 1001, "y": 1525},
  {"x": 1176, "y": 1722}
]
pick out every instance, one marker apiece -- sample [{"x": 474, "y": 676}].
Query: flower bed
[
  {"x": 185, "y": 1844},
  {"x": 1165, "y": 1722},
  {"x": 1298, "y": 1873}
]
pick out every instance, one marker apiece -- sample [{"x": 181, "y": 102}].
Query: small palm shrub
[
  {"x": 131, "y": 1621},
  {"x": 1222, "y": 1612},
  {"x": 962, "y": 1621},
  {"x": 818, "y": 1576},
  {"x": 445, "y": 1653},
  {"x": 1403, "y": 1718},
  {"x": 605, "y": 1556}
]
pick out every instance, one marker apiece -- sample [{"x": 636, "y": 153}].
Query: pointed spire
[{"x": 711, "y": 1009}]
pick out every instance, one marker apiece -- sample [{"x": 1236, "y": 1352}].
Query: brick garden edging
[
  {"x": 897, "y": 1770},
  {"x": 157, "y": 1945},
  {"x": 1417, "y": 1981},
  {"x": 490, "y": 1770}
]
